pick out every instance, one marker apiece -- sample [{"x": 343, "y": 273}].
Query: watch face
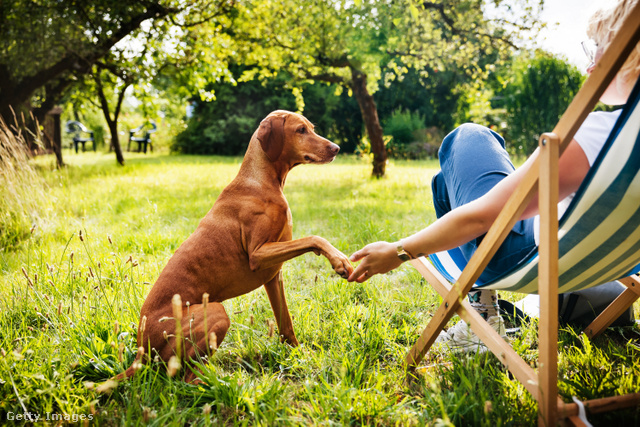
[{"x": 404, "y": 256}]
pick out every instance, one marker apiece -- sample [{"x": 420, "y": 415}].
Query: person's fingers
[
  {"x": 357, "y": 272},
  {"x": 354, "y": 275},
  {"x": 361, "y": 268},
  {"x": 364, "y": 277},
  {"x": 358, "y": 255}
]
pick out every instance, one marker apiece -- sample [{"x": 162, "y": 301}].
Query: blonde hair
[{"x": 603, "y": 26}]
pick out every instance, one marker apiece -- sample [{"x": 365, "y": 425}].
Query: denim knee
[{"x": 468, "y": 132}]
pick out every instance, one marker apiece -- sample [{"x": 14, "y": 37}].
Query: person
[{"x": 477, "y": 177}]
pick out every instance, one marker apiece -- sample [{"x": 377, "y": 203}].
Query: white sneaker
[{"x": 461, "y": 339}]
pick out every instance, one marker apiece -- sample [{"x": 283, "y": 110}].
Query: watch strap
[{"x": 402, "y": 253}]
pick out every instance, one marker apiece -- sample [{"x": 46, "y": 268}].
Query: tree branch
[
  {"x": 80, "y": 64},
  {"x": 222, "y": 8},
  {"x": 325, "y": 77},
  {"x": 451, "y": 24}
]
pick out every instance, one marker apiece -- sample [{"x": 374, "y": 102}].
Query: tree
[
  {"x": 46, "y": 47},
  {"x": 348, "y": 43},
  {"x": 535, "y": 91},
  {"x": 118, "y": 82},
  {"x": 131, "y": 64}
]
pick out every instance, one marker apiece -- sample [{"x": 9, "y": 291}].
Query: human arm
[{"x": 469, "y": 221}]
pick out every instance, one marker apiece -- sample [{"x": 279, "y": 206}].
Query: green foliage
[
  {"x": 224, "y": 126},
  {"x": 49, "y": 46},
  {"x": 474, "y": 105},
  {"x": 535, "y": 91},
  {"x": 427, "y": 92},
  {"x": 402, "y": 126},
  {"x": 336, "y": 117},
  {"x": 409, "y": 137}
]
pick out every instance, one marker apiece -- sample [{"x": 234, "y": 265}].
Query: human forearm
[
  {"x": 454, "y": 229},
  {"x": 469, "y": 221}
]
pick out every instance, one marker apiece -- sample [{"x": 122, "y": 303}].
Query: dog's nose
[{"x": 334, "y": 149}]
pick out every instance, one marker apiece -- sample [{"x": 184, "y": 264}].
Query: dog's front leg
[
  {"x": 275, "y": 292},
  {"x": 274, "y": 253}
]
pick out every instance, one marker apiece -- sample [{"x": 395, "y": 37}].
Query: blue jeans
[{"x": 473, "y": 160}]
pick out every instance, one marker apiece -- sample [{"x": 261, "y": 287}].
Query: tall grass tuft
[{"x": 22, "y": 189}]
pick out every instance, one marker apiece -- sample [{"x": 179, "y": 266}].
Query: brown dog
[{"x": 238, "y": 246}]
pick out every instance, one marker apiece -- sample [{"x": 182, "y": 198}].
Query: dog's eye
[{"x": 302, "y": 130}]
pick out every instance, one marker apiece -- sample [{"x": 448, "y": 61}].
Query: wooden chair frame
[{"x": 543, "y": 175}]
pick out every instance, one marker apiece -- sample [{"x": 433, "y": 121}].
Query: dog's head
[{"x": 289, "y": 137}]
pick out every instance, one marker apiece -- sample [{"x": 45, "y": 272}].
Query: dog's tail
[{"x": 131, "y": 370}]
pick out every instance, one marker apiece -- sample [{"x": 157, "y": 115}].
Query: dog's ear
[{"x": 271, "y": 136}]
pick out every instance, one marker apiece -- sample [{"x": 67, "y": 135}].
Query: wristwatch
[{"x": 402, "y": 253}]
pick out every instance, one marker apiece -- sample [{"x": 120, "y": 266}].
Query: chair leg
[
  {"x": 548, "y": 193},
  {"x": 429, "y": 335},
  {"x": 598, "y": 406},
  {"x": 496, "y": 344},
  {"x": 616, "y": 308}
]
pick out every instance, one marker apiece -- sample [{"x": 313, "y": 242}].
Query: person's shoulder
[
  {"x": 594, "y": 131},
  {"x": 605, "y": 115},
  {"x": 601, "y": 120}
]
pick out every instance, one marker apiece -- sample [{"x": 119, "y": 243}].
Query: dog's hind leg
[
  {"x": 275, "y": 292},
  {"x": 203, "y": 331}
]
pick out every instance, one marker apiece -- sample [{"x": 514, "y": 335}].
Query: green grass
[{"x": 68, "y": 322}]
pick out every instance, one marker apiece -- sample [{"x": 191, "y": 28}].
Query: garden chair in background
[
  {"x": 142, "y": 136},
  {"x": 596, "y": 241},
  {"x": 78, "y": 130}
]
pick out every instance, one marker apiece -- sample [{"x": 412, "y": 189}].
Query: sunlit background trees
[{"x": 380, "y": 77}]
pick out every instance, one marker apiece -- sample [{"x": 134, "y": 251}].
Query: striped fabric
[{"x": 599, "y": 234}]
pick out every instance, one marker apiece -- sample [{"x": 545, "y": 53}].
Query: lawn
[{"x": 70, "y": 295}]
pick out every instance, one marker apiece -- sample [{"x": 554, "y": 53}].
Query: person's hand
[{"x": 377, "y": 258}]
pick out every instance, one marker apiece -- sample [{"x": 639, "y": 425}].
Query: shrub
[
  {"x": 409, "y": 136},
  {"x": 535, "y": 95},
  {"x": 225, "y": 126}
]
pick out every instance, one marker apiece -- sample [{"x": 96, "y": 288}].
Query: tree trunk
[
  {"x": 115, "y": 141},
  {"x": 56, "y": 138},
  {"x": 113, "y": 127},
  {"x": 371, "y": 121},
  {"x": 112, "y": 123}
]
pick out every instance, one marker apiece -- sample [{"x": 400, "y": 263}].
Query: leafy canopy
[{"x": 321, "y": 40}]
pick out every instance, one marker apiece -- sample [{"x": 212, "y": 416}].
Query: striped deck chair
[{"x": 596, "y": 241}]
